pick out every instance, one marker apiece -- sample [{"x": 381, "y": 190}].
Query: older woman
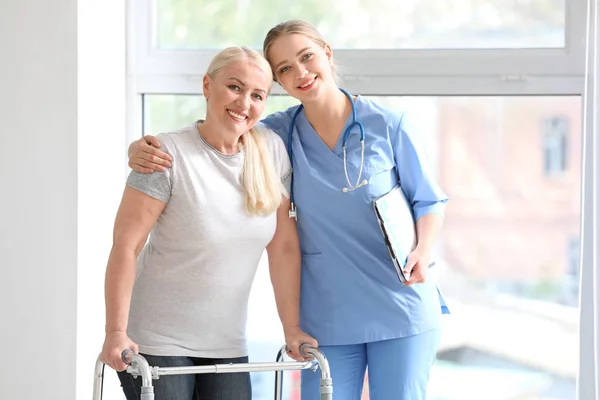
[{"x": 209, "y": 217}]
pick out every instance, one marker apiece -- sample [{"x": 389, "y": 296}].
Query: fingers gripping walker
[{"x": 138, "y": 366}]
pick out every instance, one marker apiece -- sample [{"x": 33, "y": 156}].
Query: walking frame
[{"x": 138, "y": 366}]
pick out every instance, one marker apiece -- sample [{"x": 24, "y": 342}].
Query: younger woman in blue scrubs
[{"x": 351, "y": 301}]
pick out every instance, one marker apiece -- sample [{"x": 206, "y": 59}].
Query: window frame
[{"x": 507, "y": 70}]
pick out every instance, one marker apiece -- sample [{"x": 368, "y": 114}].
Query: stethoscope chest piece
[{"x": 292, "y": 213}]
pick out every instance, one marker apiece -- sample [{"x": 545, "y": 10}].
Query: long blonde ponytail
[{"x": 262, "y": 184}]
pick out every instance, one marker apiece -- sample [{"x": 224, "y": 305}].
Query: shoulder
[
  {"x": 399, "y": 124},
  {"x": 280, "y": 122},
  {"x": 175, "y": 141},
  {"x": 377, "y": 114}
]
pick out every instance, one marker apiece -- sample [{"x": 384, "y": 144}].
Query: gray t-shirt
[{"x": 195, "y": 273}]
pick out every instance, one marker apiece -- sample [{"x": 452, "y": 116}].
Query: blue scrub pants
[{"x": 398, "y": 369}]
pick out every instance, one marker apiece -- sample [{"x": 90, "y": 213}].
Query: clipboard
[
  {"x": 397, "y": 223},
  {"x": 398, "y": 227}
]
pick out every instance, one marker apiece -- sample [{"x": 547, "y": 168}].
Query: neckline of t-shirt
[{"x": 211, "y": 147}]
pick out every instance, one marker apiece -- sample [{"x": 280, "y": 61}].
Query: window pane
[
  {"x": 510, "y": 245},
  {"x": 508, "y": 258},
  {"x": 361, "y": 24}
]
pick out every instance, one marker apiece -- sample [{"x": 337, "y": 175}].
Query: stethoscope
[{"x": 292, "y": 212}]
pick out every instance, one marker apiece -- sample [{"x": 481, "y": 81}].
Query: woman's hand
[
  {"x": 294, "y": 338},
  {"x": 114, "y": 344},
  {"x": 144, "y": 156},
  {"x": 416, "y": 266}
]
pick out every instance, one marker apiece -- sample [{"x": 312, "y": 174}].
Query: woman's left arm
[
  {"x": 428, "y": 200},
  {"x": 284, "y": 267},
  {"x": 428, "y": 229}
]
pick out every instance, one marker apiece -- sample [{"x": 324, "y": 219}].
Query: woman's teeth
[{"x": 236, "y": 115}]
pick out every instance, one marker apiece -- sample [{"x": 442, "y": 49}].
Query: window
[
  {"x": 361, "y": 24},
  {"x": 485, "y": 76},
  {"x": 464, "y": 46},
  {"x": 507, "y": 245},
  {"x": 555, "y": 146}
]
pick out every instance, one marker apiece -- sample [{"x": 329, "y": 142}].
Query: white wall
[
  {"x": 38, "y": 223},
  {"x": 62, "y": 116}
]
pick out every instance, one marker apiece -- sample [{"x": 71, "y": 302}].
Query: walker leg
[
  {"x": 98, "y": 380},
  {"x": 147, "y": 390},
  {"x": 147, "y": 396},
  {"x": 326, "y": 384},
  {"x": 140, "y": 365},
  {"x": 326, "y": 387},
  {"x": 279, "y": 375}
]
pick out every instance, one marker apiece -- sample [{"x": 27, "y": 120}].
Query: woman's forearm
[
  {"x": 428, "y": 230},
  {"x": 120, "y": 278},
  {"x": 284, "y": 268}
]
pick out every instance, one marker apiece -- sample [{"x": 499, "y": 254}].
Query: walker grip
[
  {"x": 304, "y": 347},
  {"x": 126, "y": 356}
]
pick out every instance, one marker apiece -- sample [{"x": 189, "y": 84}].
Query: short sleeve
[
  {"x": 157, "y": 184},
  {"x": 414, "y": 172}
]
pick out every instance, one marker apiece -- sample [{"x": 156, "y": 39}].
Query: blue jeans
[
  {"x": 398, "y": 369},
  {"x": 221, "y": 386}
]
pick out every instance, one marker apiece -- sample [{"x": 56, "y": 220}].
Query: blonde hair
[
  {"x": 297, "y": 27},
  {"x": 261, "y": 183}
]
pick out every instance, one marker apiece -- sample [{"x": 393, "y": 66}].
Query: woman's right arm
[
  {"x": 145, "y": 157},
  {"x": 135, "y": 219}
]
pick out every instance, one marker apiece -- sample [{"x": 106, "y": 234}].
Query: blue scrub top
[{"x": 350, "y": 291}]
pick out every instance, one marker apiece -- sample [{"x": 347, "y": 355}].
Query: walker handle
[
  {"x": 127, "y": 356},
  {"x": 303, "y": 350}
]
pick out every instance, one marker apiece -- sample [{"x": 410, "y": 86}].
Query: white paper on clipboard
[{"x": 397, "y": 223}]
